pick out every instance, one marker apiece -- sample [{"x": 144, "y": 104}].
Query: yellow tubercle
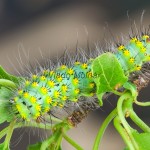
[
  {"x": 70, "y": 71},
  {"x": 64, "y": 98},
  {"x": 36, "y": 115},
  {"x": 89, "y": 74},
  {"x": 33, "y": 99},
  {"x": 51, "y": 73},
  {"x": 44, "y": 90},
  {"x": 18, "y": 106},
  {"x": 47, "y": 109},
  {"x": 148, "y": 58},
  {"x": 145, "y": 36},
  {"x": 143, "y": 49},
  {"x": 34, "y": 76},
  {"x": 139, "y": 44},
  {"x": 77, "y": 91},
  {"x": 133, "y": 40},
  {"x": 34, "y": 84},
  {"x": 56, "y": 94},
  {"x": 92, "y": 85},
  {"x": 126, "y": 52},
  {"x": 61, "y": 105},
  {"x": 131, "y": 60},
  {"x": 27, "y": 82},
  {"x": 121, "y": 47},
  {"x": 59, "y": 78},
  {"x": 63, "y": 67},
  {"x": 75, "y": 81},
  {"x": 84, "y": 66},
  {"x": 48, "y": 100},
  {"x": 138, "y": 68},
  {"x": 42, "y": 78},
  {"x": 64, "y": 88},
  {"x": 38, "y": 107},
  {"x": 26, "y": 95},
  {"x": 77, "y": 63},
  {"x": 24, "y": 116},
  {"x": 51, "y": 83}
]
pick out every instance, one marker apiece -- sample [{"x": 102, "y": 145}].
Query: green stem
[
  {"x": 139, "y": 122},
  {"x": 54, "y": 141},
  {"x": 103, "y": 128},
  {"x": 142, "y": 103},
  {"x": 49, "y": 141},
  {"x": 124, "y": 97},
  {"x": 73, "y": 143},
  {"x": 4, "y": 132},
  {"x": 59, "y": 140},
  {"x": 118, "y": 93},
  {"x": 123, "y": 133},
  {"x": 9, "y": 134},
  {"x": 7, "y": 83}
]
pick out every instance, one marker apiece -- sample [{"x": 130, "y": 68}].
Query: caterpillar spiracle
[{"x": 49, "y": 89}]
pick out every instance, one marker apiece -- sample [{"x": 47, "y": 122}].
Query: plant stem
[
  {"x": 139, "y": 122},
  {"x": 9, "y": 134},
  {"x": 54, "y": 141},
  {"x": 103, "y": 128},
  {"x": 49, "y": 141},
  {"x": 3, "y": 132},
  {"x": 73, "y": 143},
  {"x": 142, "y": 103},
  {"x": 59, "y": 140},
  {"x": 123, "y": 133},
  {"x": 126, "y": 96}
]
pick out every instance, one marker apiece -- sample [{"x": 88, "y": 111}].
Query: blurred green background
[{"x": 39, "y": 29}]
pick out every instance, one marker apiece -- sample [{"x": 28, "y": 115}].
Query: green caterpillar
[{"x": 54, "y": 88}]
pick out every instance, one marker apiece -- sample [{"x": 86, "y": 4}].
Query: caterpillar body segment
[
  {"x": 53, "y": 89},
  {"x": 133, "y": 55}
]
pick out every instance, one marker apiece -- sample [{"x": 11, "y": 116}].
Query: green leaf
[
  {"x": 5, "y": 75},
  {"x": 108, "y": 74},
  {"x": 36, "y": 146},
  {"x": 2, "y": 147},
  {"x": 5, "y": 95},
  {"x": 143, "y": 140},
  {"x": 7, "y": 83}
]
